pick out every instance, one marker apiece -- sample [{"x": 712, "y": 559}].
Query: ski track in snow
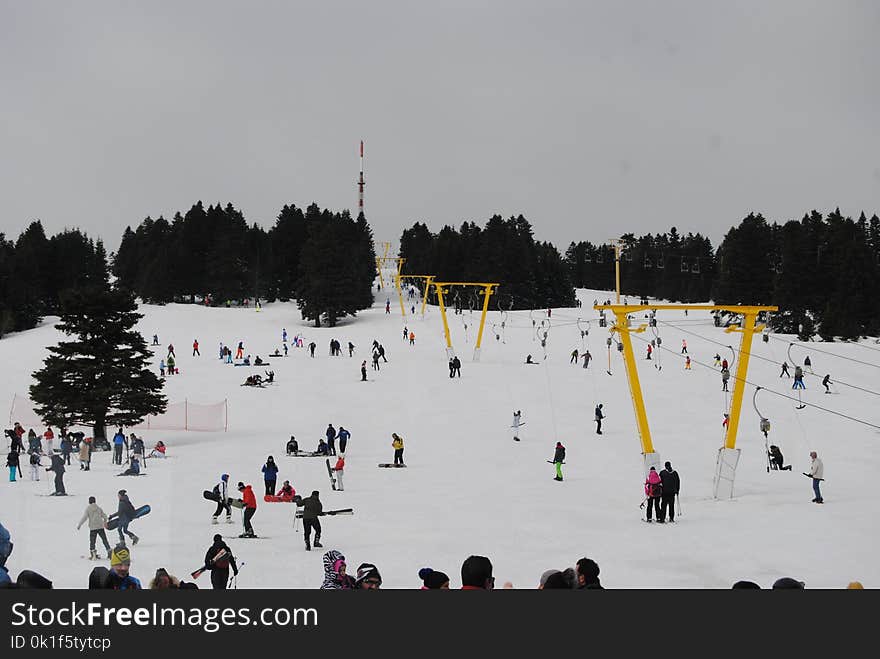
[{"x": 468, "y": 488}]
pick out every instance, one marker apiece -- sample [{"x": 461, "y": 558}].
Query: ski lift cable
[
  {"x": 774, "y": 361},
  {"x": 825, "y": 352},
  {"x": 772, "y": 391}
]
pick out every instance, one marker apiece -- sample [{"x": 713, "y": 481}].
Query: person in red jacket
[
  {"x": 338, "y": 468},
  {"x": 196, "y": 348},
  {"x": 250, "y": 507}
]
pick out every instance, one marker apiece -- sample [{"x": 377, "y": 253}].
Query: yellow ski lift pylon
[{"x": 441, "y": 290}]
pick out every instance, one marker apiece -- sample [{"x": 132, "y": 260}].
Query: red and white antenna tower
[{"x": 361, "y": 183}]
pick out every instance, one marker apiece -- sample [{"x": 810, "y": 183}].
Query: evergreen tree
[{"x": 102, "y": 376}]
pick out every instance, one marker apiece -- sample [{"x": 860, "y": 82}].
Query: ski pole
[{"x": 678, "y": 499}]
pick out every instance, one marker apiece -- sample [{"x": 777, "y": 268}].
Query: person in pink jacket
[{"x": 653, "y": 491}]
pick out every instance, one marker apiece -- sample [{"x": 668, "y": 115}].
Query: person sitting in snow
[{"x": 323, "y": 448}]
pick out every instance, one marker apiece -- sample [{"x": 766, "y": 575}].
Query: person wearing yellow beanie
[
  {"x": 855, "y": 585},
  {"x": 120, "y": 563}
]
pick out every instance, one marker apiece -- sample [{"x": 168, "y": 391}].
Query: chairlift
[
  {"x": 684, "y": 264},
  {"x": 647, "y": 263},
  {"x": 779, "y": 268},
  {"x": 660, "y": 264},
  {"x": 588, "y": 258},
  {"x": 695, "y": 268},
  {"x": 628, "y": 255},
  {"x": 600, "y": 257}
]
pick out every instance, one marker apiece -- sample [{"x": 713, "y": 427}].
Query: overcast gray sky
[{"x": 589, "y": 118}]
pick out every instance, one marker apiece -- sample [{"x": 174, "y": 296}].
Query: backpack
[{"x": 656, "y": 489}]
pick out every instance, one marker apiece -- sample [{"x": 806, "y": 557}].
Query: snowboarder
[
  {"x": 196, "y": 348},
  {"x": 97, "y": 519},
  {"x": 671, "y": 484},
  {"x": 155, "y": 339},
  {"x": 35, "y": 466},
  {"x": 312, "y": 347},
  {"x": 312, "y": 508},
  {"x": 219, "y": 559},
  {"x": 412, "y": 338},
  {"x": 382, "y": 353},
  {"x": 517, "y": 422},
  {"x": 285, "y": 350},
  {"x": 375, "y": 360},
  {"x": 724, "y": 364},
  {"x": 456, "y": 366},
  {"x": 388, "y": 305},
  {"x": 825, "y": 382},
  {"x": 171, "y": 367},
  {"x": 270, "y": 474},
  {"x": 283, "y": 335},
  {"x": 405, "y": 332},
  {"x": 58, "y": 468},
  {"x": 331, "y": 439},
  {"x": 776, "y": 459},
  {"x": 451, "y": 368},
  {"x": 817, "y": 472},
  {"x": 292, "y": 446},
  {"x": 587, "y": 357},
  {"x": 250, "y": 507},
  {"x": 364, "y": 371},
  {"x": 725, "y": 376},
  {"x": 119, "y": 577},
  {"x": 650, "y": 350},
  {"x": 598, "y": 417},
  {"x": 343, "y": 436},
  {"x": 125, "y": 513},
  {"x": 239, "y": 352},
  {"x": 221, "y": 494},
  {"x": 717, "y": 359},
  {"x": 338, "y": 468},
  {"x": 66, "y": 448},
  {"x": 684, "y": 347},
  {"x": 171, "y": 350},
  {"x": 574, "y": 357},
  {"x": 350, "y": 349},
  {"x": 558, "y": 459},
  {"x": 808, "y": 364},
  {"x": 162, "y": 368},
  {"x": 798, "y": 378},
  {"x": 653, "y": 492},
  {"x": 397, "y": 445},
  {"x": 687, "y": 363}
]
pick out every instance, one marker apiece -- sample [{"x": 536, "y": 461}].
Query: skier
[
  {"x": 162, "y": 368},
  {"x": 312, "y": 347},
  {"x": 388, "y": 305},
  {"x": 825, "y": 382},
  {"x": 558, "y": 459},
  {"x": 412, "y": 338},
  {"x": 650, "y": 350},
  {"x": 726, "y": 423},
  {"x": 798, "y": 378},
  {"x": 35, "y": 466},
  {"x": 312, "y": 508},
  {"x": 155, "y": 339},
  {"x": 817, "y": 473},
  {"x": 239, "y": 352},
  {"x": 171, "y": 362},
  {"x": 587, "y": 357},
  {"x": 250, "y": 507},
  {"x": 284, "y": 335},
  {"x": 118, "y": 442},
  {"x": 196, "y": 348},
  {"x": 671, "y": 484},
  {"x": 285, "y": 349},
  {"x": 717, "y": 359},
  {"x": 222, "y": 351},
  {"x": 776, "y": 459},
  {"x": 97, "y": 519},
  {"x": 58, "y": 468},
  {"x": 125, "y": 513},
  {"x": 292, "y": 446},
  {"x": 405, "y": 332},
  {"x": 382, "y": 353},
  {"x": 85, "y": 453},
  {"x": 456, "y": 366},
  {"x": 397, "y": 445},
  {"x": 270, "y": 475},
  {"x": 599, "y": 415},
  {"x": 219, "y": 559},
  {"x": 364, "y": 371},
  {"x": 350, "y": 349},
  {"x": 12, "y": 461},
  {"x": 343, "y": 437},
  {"x": 452, "y": 368},
  {"x": 687, "y": 363},
  {"x": 517, "y": 422},
  {"x": 684, "y": 347},
  {"x": 653, "y": 492},
  {"x": 375, "y": 360},
  {"x": 808, "y": 364},
  {"x": 338, "y": 468},
  {"x": 331, "y": 439},
  {"x": 725, "y": 376},
  {"x": 66, "y": 448},
  {"x": 171, "y": 350},
  {"x": 221, "y": 494},
  {"x": 574, "y": 357},
  {"x": 724, "y": 364}
]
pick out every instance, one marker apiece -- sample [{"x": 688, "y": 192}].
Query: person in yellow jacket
[{"x": 397, "y": 445}]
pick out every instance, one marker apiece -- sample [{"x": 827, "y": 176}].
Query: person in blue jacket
[
  {"x": 343, "y": 438},
  {"x": 119, "y": 578},
  {"x": 270, "y": 475},
  {"x": 118, "y": 442}
]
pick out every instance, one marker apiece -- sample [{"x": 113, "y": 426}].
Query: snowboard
[
  {"x": 210, "y": 496},
  {"x": 339, "y": 511},
  {"x": 307, "y": 454},
  {"x": 246, "y": 537},
  {"x": 332, "y": 477},
  {"x": 274, "y": 498},
  {"x": 389, "y": 464},
  {"x": 236, "y": 503},
  {"x": 113, "y": 520},
  {"x": 205, "y": 568}
]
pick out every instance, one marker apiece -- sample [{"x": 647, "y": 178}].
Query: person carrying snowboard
[
  {"x": 125, "y": 513},
  {"x": 221, "y": 493},
  {"x": 397, "y": 445},
  {"x": 97, "y": 520},
  {"x": 312, "y": 508},
  {"x": 250, "y": 507},
  {"x": 338, "y": 469},
  {"x": 219, "y": 558},
  {"x": 558, "y": 459},
  {"x": 270, "y": 475},
  {"x": 598, "y": 418},
  {"x": 653, "y": 492}
]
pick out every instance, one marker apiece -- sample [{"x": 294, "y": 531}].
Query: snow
[{"x": 468, "y": 488}]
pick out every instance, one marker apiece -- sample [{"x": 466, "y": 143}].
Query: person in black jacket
[
  {"x": 58, "y": 468},
  {"x": 671, "y": 484},
  {"x": 312, "y": 508},
  {"x": 331, "y": 439},
  {"x": 558, "y": 459},
  {"x": 125, "y": 513},
  {"x": 219, "y": 565},
  {"x": 588, "y": 574}
]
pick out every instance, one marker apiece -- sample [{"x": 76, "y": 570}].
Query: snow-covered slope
[{"x": 468, "y": 488}]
